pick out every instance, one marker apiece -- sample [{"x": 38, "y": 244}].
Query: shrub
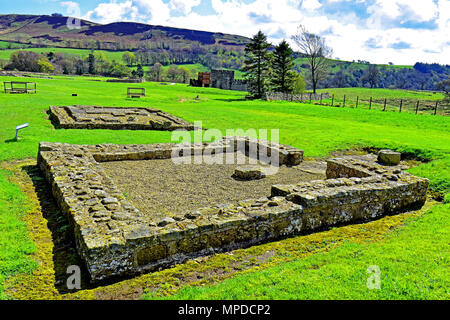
[
  {"x": 45, "y": 66},
  {"x": 24, "y": 61}
]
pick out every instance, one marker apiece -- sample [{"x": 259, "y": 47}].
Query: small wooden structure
[
  {"x": 20, "y": 87},
  {"x": 136, "y": 92}
]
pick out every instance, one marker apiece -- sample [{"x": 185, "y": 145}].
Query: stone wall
[
  {"x": 126, "y": 80},
  {"x": 239, "y": 85},
  {"x": 224, "y": 79},
  {"x": 114, "y": 238},
  {"x": 279, "y": 96}
]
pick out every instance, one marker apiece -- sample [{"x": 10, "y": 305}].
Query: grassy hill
[{"x": 53, "y": 31}]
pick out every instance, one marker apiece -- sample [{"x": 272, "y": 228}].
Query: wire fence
[{"x": 417, "y": 106}]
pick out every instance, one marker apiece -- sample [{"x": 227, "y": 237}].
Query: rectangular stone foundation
[
  {"x": 116, "y": 118},
  {"x": 114, "y": 238}
]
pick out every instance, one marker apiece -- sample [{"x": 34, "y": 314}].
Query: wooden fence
[{"x": 417, "y": 106}]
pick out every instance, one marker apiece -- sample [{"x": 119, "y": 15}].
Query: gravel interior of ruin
[{"x": 163, "y": 187}]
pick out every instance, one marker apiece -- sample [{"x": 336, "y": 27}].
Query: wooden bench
[
  {"x": 136, "y": 92},
  {"x": 16, "y": 87}
]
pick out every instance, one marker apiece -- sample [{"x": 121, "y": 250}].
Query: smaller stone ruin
[
  {"x": 220, "y": 79},
  {"x": 115, "y": 118}
]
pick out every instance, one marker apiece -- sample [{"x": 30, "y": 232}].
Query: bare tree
[
  {"x": 371, "y": 75},
  {"x": 445, "y": 87},
  {"x": 317, "y": 52}
]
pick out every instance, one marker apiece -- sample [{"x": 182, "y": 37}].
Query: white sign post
[{"x": 23, "y": 126}]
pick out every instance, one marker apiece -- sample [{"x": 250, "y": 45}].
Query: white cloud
[
  {"x": 311, "y": 4},
  {"x": 349, "y": 31},
  {"x": 72, "y": 8},
  {"x": 416, "y": 10},
  {"x": 110, "y": 12},
  {"x": 183, "y": 6}
]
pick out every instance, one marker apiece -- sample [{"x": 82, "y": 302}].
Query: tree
[
  {"x": 256, "y": 65},
  {"x": 118, "y": 70},
  {"x": 140, "y": 71},
  {"x": 299, "y": 84},
  {"x": 445, "y": 87},
  {"x": 173, "y": 73},
  {"x": 317, "y": 52},
  {"x": 184, "y": 73},
  {"x": 45, "y": 66},
  {"x": 129, "y": 58},
  {"x": 371, "y": 75},
  {"x": 100, "y": 56},
  {"x": 157, "y": 71},
  {"x": 91, "y": 61},
  {"x": 283, "y": 75},
  {"x": 80, "y": 67},
  {"x": 24, "y": 61}
]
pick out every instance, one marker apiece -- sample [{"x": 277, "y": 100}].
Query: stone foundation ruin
[
  {"x": 114, "y": 238},
  {"x": 115, "y": 118}
]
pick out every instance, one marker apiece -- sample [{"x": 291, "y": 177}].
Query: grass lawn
[
  {"x": 394, "y": 98},
  {"x": 318, "y": 130},
  {"x": 413, "y": 263}
]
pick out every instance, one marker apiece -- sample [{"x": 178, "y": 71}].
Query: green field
[
  {"x": 110, "y": 55},
  {"x": 414, "y": 258},
  {"x": 12, "y": 45},
  {"x": 394, "y": 98}
]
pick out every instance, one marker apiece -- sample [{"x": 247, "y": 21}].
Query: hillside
[{"x": 53, "y": 31}]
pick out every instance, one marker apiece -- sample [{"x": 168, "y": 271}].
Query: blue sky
[{"x": 380, "y": 31}]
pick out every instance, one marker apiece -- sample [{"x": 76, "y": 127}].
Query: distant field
[
  {"x": 319, "y": 130},
  {"x": 110, "y": 55},
  {"x": 12, "y": 45}
]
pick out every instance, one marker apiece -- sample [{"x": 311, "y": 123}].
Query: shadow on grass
[
  {"x": 64, "y": 250},
  {"x": 232, "y": 100}
]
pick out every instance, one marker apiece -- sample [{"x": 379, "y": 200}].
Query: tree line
[{"x": 96, "y": 63}]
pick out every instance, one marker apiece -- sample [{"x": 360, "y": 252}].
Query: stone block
[
  {"x": 389, "y": 157},
  {"x": 249, "y": 172}
]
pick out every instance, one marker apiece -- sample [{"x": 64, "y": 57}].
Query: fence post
[
  {"x": 310, "y": 97},
  {"x": 401, "y": 104},
  {"x": 332, "y": 100},
  {"x": 357, "y": 99},
  {"x": 370, "y": 104},
  {"x": 320, "y": 98},
  {"x": 435, "y": 108},
  {"x": 417, "y": 106},
  {"x": 343, "y": 105},
  {"x": 385, "y": 100}
]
